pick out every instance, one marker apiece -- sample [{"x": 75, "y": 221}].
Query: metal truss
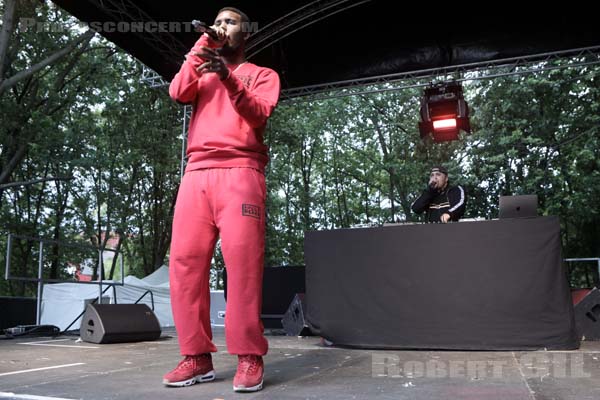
[
  {"x": 152, "y": 78},
  {"x": 574, "y": 58},
  {"x": 187, "y": 116},
  {"x": 164, "y": 43},
  {"x": 295, "y": 21}
]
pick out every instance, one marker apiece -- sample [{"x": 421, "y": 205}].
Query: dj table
[{"x": 485, "y": 285}]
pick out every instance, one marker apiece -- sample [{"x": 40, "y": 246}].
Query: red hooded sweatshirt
[{"x": 229, "y": 116}]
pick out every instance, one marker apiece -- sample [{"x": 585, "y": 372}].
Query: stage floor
[{"x": 296, "y": 368}]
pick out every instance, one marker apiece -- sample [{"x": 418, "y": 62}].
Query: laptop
[{"x": 518, "y": 206}]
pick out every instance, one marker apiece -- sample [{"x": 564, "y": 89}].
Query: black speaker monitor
[
  {"x": 587, "y": 316},
  {"x": 280, "y": 284},
  {"x": 294, "y": 320},
  {"x": 118, "y": 323}
]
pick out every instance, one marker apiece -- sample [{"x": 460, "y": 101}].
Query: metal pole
[
  {"x": 122, "y": 271},
  {"x": 40, "y": 283},
  {"x": 8, "y": 249},
  {"x": 100, "y": 275}
]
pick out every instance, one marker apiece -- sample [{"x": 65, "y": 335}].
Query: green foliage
[
  {"x": 359, "y": 161},
  {"x": 86, "y": 117},
  {"x": 338, "y": 163},
  {"x": 538, "y": 133}
]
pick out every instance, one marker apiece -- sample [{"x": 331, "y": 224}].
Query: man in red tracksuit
[{"x": 222, "y": 194}]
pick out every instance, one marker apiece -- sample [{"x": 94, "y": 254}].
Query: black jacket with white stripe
[{"x": 451, "y": 200}]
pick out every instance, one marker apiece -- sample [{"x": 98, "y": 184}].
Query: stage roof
[{"x": 320, "y": 42}]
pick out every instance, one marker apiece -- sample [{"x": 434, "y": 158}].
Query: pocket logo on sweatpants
[{"x": 250, "y": 210}]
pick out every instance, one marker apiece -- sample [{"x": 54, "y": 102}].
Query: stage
[{"x": 296, "y": 368}]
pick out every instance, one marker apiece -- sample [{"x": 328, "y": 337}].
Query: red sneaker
[
  {"x": 190, "y": 370},
  {"x": 249, "y": 375}
]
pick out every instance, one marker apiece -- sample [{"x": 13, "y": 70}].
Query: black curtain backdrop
[{"x": 485, "y": 285}]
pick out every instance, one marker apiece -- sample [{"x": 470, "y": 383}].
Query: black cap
[{"x": 440, "y": 168}]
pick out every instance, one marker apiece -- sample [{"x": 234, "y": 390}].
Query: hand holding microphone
[
  {"x": 212, "y": 61},
  {"x": 432, "y": 187},
  {"x": 218, "y": 35}
]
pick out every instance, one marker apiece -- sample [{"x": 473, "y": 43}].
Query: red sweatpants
[{"x": 229, "y": 202}]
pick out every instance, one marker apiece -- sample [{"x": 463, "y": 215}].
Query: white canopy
[{"x": 63, "y": 302}]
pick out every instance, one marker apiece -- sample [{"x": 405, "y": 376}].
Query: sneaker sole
[
  {"x": 209, "y": 376},
  {"x": 249, "y": 389}
]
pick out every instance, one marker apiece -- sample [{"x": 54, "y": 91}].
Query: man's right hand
[
  {"x": 221, "y": 34},
  {"x": 432, "y": 189}
]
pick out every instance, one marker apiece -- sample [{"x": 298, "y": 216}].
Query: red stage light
[{"x": 444, "y": 113}]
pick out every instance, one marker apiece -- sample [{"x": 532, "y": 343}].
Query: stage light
[{"x": 444, "y": 113}]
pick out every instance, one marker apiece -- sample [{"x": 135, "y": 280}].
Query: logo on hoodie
[{"x": 246, "y": 80}]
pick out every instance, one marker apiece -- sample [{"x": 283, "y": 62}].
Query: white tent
[{"x": 63, "y": 302}]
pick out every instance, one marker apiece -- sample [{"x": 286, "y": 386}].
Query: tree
[{"x": 96, "y": 148}]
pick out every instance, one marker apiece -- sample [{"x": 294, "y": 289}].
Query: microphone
[{"x": 203, "y": 27}]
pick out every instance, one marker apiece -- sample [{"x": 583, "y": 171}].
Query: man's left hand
[
  {"x": 214, "y": 63},
  {"x": 445, "y": 218}
]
